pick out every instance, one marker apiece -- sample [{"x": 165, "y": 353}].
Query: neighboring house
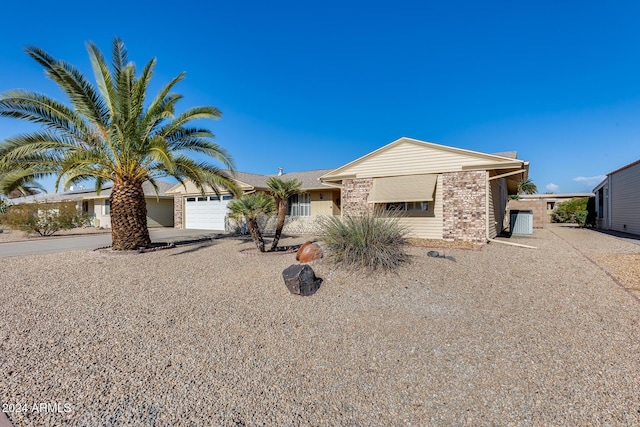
[
  {"x": 97, "y": 207},
  {"x": 208, "y": 211},
  {"x": 542, "y": 205},
  {"x": 618, "y": 200},
  {"x": 444, "y": 192}
]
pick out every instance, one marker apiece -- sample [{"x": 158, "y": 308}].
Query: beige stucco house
[
  {"x": 618, "y": 200},
  {"x": 159, "y": 207},
  {"x": 444, "y": 192},
  {"x": 208, "y": 211}
]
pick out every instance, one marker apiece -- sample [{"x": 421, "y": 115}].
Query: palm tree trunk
[
  {"x": 254, "y": 230},
  {"x": 128, "y": 217},
  {"x": 282, "y": 215}
]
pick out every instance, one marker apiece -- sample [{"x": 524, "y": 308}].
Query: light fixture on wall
[{"x": 321, "y": 196}]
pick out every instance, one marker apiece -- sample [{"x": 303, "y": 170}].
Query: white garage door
[{"x": 206, "y": 212}]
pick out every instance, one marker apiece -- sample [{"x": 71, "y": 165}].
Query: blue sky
[{"x": 313, "y": 85}]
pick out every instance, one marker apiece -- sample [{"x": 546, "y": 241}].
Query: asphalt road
[{"x": 93, "y": 241}]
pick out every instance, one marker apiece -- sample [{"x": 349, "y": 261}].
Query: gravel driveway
[{"x": 200, "y": 335}]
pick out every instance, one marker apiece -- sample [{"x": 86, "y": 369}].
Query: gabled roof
[
  {"x": 406, "y": 156},
  {"x": 310, "y": 179},
  {"x": 251, "y": 181},
  {"x": 86, "y": 194}
]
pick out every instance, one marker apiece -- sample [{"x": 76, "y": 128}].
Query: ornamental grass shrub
[
  {"x": 375, "y": 240},
  {"x": 44, "y": 219}
]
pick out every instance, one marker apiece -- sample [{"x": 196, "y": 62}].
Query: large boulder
[
  {"x": 308, "y": 252},
  {"x": 301, "y": 280}
]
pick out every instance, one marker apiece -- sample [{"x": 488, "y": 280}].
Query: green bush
[
  {"x": 571, "y": 211},
  {"x": 370, "y": 241},
  {"x": 44, "y": 219}
]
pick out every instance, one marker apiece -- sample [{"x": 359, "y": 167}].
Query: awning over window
[{"x": 411, "y": 188}]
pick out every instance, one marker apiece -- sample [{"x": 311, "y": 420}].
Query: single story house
[
  {"x": 208, "y": 211},
  {"x": 618, "y": 200},
  {"x": 445, "y": 192},
  {"x": 97, "y": 207}
]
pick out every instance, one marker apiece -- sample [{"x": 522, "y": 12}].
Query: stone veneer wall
[
  {"x": 354, "y": 195},
  {"x": 464, "y": 206},
  {"x": 177, "y": 211}
]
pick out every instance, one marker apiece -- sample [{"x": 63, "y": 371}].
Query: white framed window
[
  {"x": 107, "y": 207},
  {"x": 299, "y": 205}
]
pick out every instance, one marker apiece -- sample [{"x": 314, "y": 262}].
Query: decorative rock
[
  {"x": 301, "y": 280},
  {"x": 308, "y": 252}
]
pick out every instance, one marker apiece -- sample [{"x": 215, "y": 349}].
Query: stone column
[
  {"x": 354, "y": 196},
  {"x": 464, "y": 206},
  {"x": 177, "y": 211}
]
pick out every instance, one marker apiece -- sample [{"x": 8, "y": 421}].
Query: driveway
[{"x": 92, "y": 241}]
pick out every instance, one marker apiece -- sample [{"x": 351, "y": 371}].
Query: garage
[{"x": 206, "y": 212}]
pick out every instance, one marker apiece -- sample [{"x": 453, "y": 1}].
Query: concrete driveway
[{"x": 93, "y": 241}]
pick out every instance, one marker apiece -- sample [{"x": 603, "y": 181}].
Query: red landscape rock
[{"x": 309, "y": 251}]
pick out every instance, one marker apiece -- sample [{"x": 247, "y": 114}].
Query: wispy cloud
[
  {"x": 552, "y": 187},
  {"x": 589, "y": 180}
]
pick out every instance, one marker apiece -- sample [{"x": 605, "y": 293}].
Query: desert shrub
[
  {"x": 44, "y": 219},
  {"x": 571, "y": 211},
  {"x": 580, "y": 218},
  {"x": 370, "y": 241}
]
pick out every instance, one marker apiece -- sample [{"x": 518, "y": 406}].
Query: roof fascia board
[{"x": 494, "y": 166}]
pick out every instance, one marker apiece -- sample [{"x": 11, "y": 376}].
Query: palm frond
[
  {"x": 24, "y": 146},
  {"x": 103, "y": 76},
  {"x": 40, "y": 109},
  {"x": 120, "y": 56},
  {"x": 140, "y": 89},
  {"x": 195, "y": 113},
  {"x": 81, "y": 93},
  {"x": 202, "y": 175}
]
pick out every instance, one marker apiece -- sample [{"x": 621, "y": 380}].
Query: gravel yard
[{"x": 199, "y": 335}]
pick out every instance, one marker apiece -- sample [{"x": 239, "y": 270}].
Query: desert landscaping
[{"x": 201, "y": 335}]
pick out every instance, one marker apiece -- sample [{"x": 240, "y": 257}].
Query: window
[
  {"x": 107, "y": 207},
  {"x": 191, "y": 199},
  {"x": 407, "y": 206},
  {"x": 300, "y": 205}
]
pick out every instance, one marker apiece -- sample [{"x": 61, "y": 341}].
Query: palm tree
[
  {"x": 281, "y": 190},
  {"x": 250, "y": 207},
  {"x": 111, "y": 134},
  {"x": 527, "y": 187}
]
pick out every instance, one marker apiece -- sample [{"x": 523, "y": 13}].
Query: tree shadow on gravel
[{"x": 193, "y": 245}]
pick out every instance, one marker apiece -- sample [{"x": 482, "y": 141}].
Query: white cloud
[
  {"x": 552, "y": 187},
  {"x": 590, "y": 180}
]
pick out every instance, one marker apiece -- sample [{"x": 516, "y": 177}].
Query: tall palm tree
[
  {"x": 527, "y": 187},
  {"x": 281, "y": 190},
  {"x": 250, "y": 207},
  {"x": 111, "y": 134}
]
